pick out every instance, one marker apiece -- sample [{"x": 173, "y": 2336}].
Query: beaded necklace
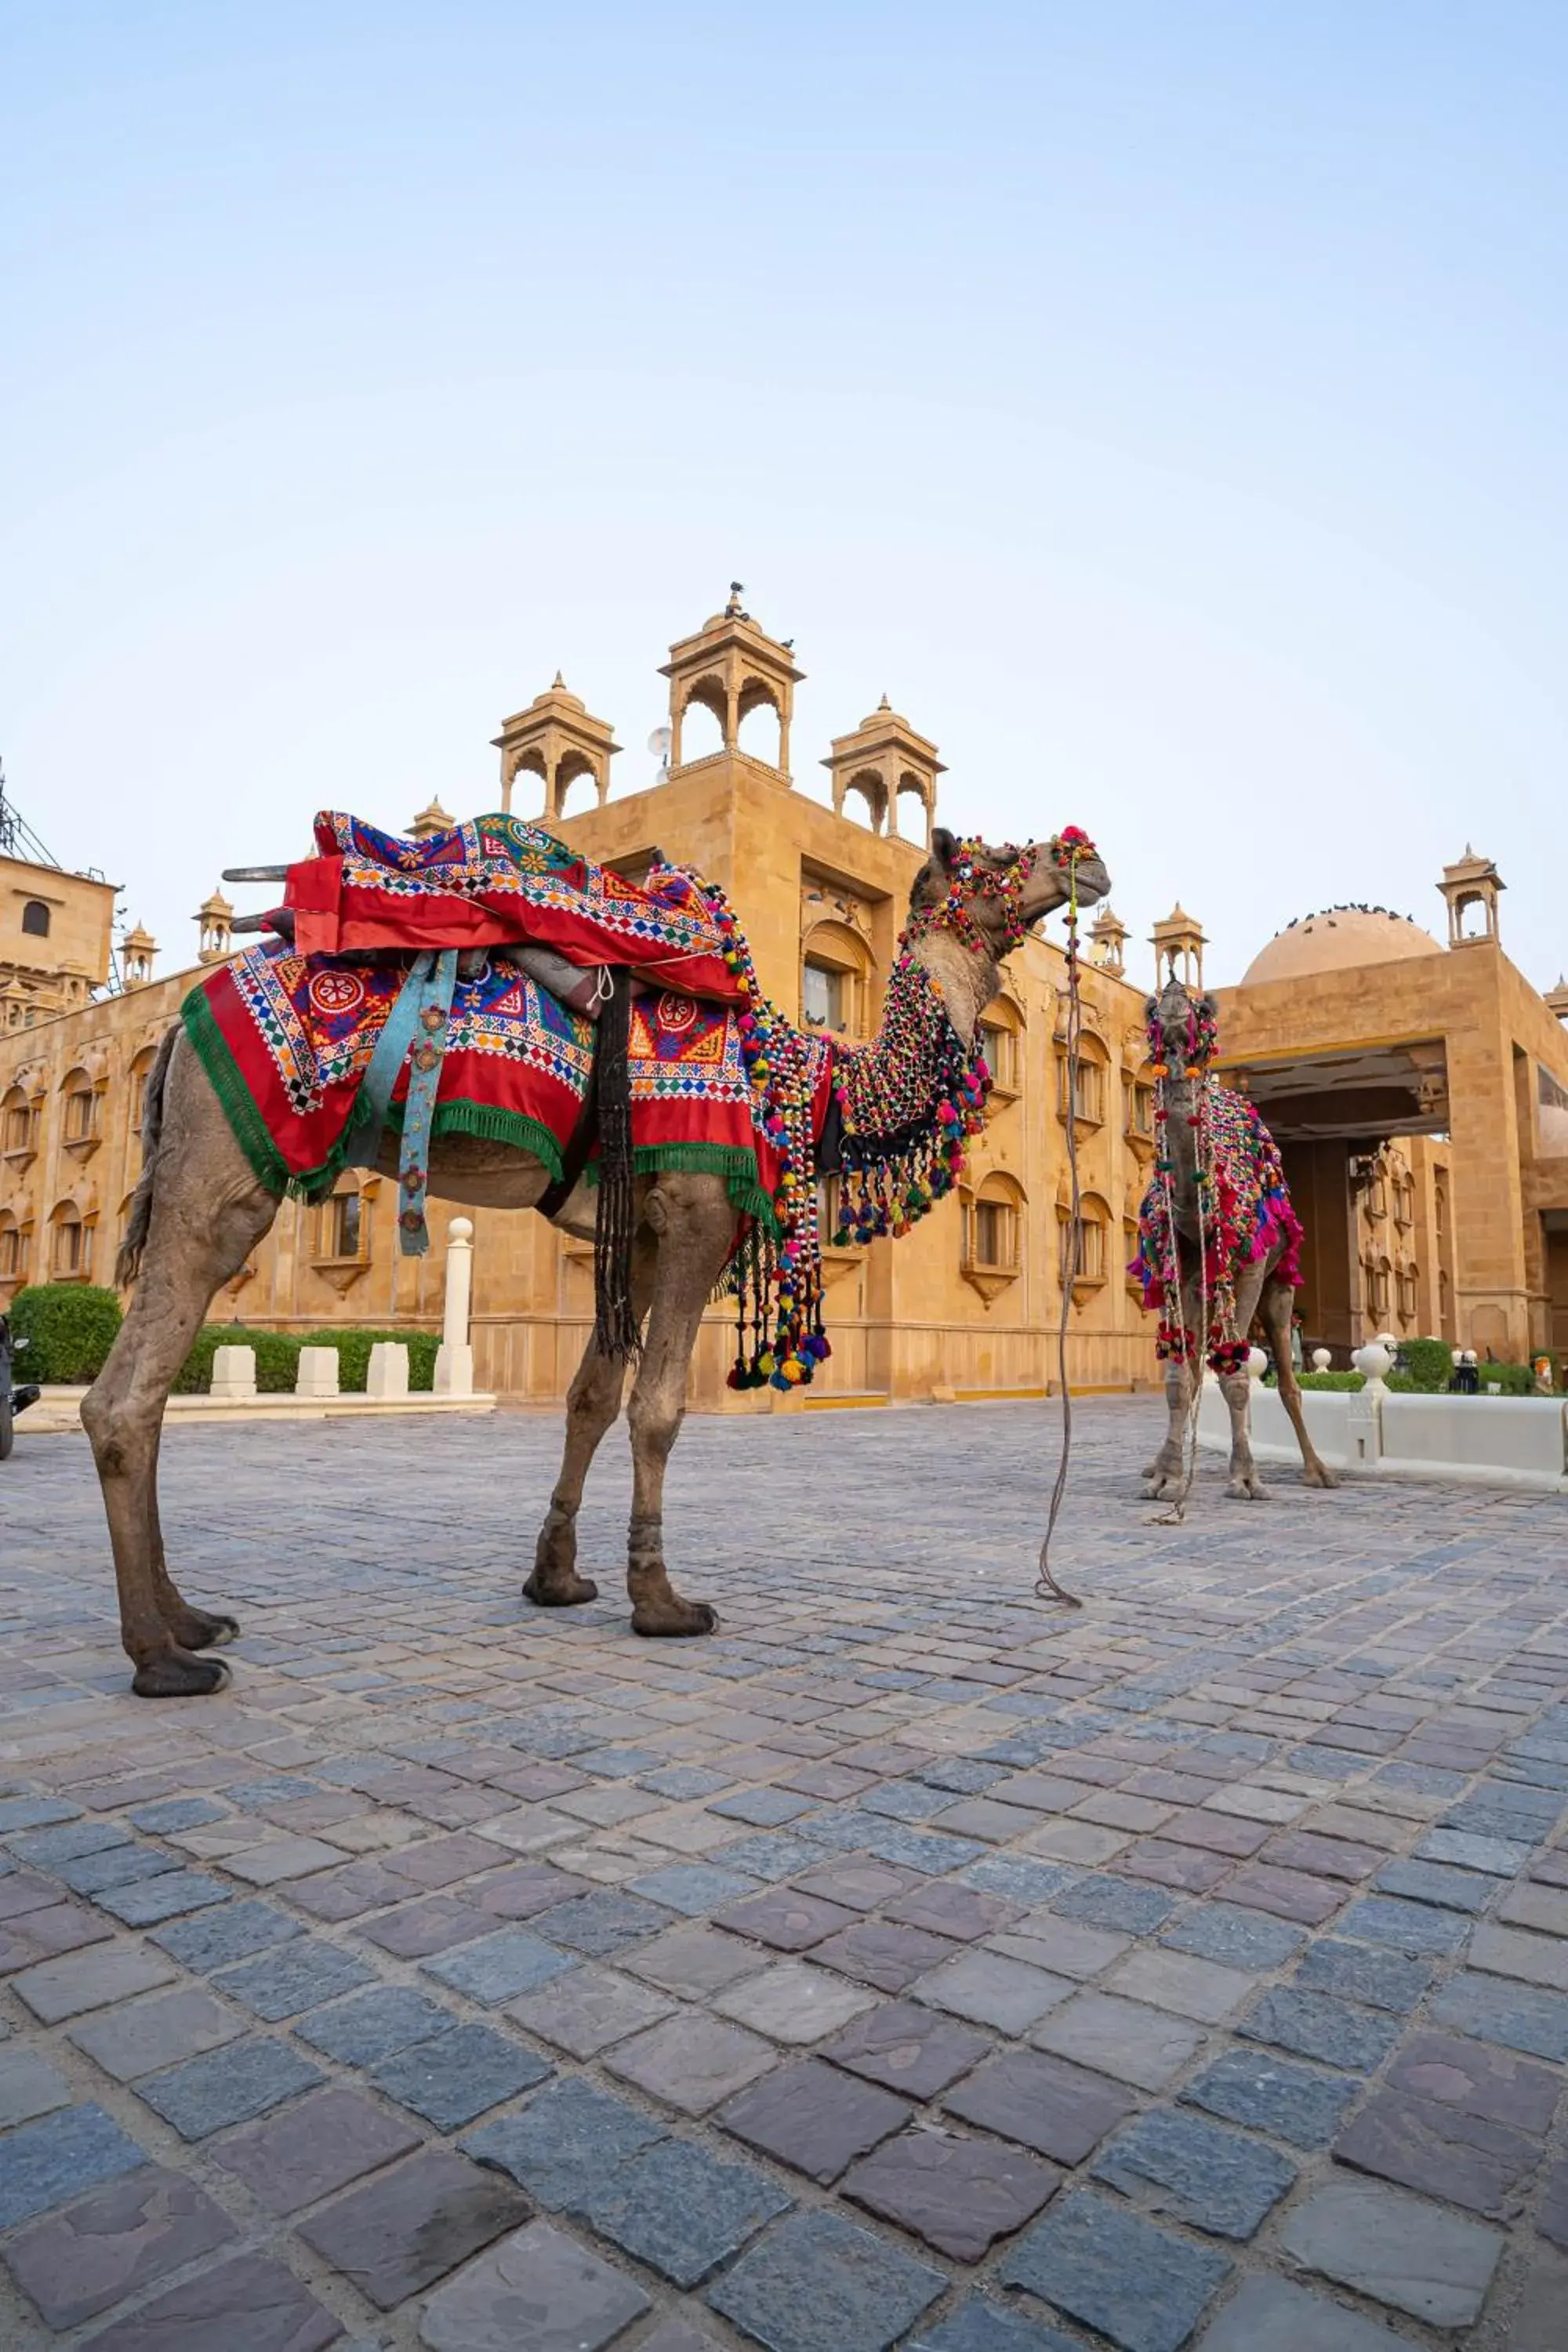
[{"x": 907, "y": 1103}]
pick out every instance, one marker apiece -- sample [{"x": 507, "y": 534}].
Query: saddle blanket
[
  {"x": 496, "y": 879},
  {"x": 286, "y": 1039},
  {"x": 1252, "y": 1211}
]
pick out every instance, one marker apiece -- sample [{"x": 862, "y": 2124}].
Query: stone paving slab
[{"x": 905, "y": 1966}]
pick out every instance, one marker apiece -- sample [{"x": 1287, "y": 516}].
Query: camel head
[
  {"x": 1183, "y": 1030},
  {"x": 993, "y": 897}
]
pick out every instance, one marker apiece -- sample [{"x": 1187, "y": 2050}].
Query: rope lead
[{"x": 1046, "y": 1585}]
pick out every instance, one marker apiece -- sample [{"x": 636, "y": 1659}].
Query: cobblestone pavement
[{"x": 906, "y": 1966}]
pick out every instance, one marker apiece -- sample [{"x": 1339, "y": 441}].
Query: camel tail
[{"x": 128, "y": 1265}]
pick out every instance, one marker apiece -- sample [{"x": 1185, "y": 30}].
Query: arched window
[
  {"x": 1407, "y": 1294},
  {"x": 71, "y": 1244},
  {"x": 36, "y": 919},
  {"x": 141, "y": 1071},
  {"x": 1084, "y": 1252},
  {"x": 343, "y": 1225},
  {"x": 19, "y": 1124},
  {"x": 14, "y": 1241},
  {"x": 1090, "y": 1090},
  {"x": 992, "y": 1247},
  {"x": 1001, "y": 1040},
  {"x": 834, "y": 981},
  {"x": 81, "y": 1109},
  {"x": 1137, "y": 1107}
]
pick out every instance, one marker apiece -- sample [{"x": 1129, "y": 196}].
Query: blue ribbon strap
[{"x": 416, "y": 1032}]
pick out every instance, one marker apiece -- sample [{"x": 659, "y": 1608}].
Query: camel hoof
[
  {"x": 199, "y": 1629},
  {"x": 1320, "y": 1476},
  {"x": 178, "y": 1675},
  {"x": 1245, "y": 1490},
  {"x": 558, "y": 1591},
  {"x": 674, "y": 1619}
]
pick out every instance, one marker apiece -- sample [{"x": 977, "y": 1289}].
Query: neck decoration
[{"x": 906, "y": 1105}]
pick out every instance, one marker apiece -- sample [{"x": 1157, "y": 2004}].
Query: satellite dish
[{"x": 660, "y": 743}]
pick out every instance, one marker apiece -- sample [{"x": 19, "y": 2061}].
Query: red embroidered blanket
[
  {"x": 286, "y": 1040},
  {"x": 497, "y": 879}
]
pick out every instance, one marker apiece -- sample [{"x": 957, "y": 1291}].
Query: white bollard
[
  {"x": 1256, "y": 1363},
  {"x": 455, "y": 1357},
  {"x": 1322, "y": 1359},
  {"x": 234, "y": 1376},
  {"x": 318, "y": 1373},
  {"x": 388, "y": 1374}
]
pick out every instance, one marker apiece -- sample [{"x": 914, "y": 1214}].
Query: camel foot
[
  {"x": 675, "y": 1618},
  {"x": 174, "y": 1674},
  {"x": 659, "y": 1613},
  {"x": 199, "y": 1629},
  {"x": 1160, "y": 1485},
  {"x": 1318, "y": 1473},
  {"x": 557, "y": 1587},
  {"x": 1247, "y": 1488}
]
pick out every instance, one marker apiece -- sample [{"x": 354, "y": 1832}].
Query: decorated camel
[
  {"x": 682, "y": 1125},
  {"x": 1219, "y": 1244}
]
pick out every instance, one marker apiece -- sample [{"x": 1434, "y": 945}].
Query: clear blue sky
[{"x": 1163, "y": 403}]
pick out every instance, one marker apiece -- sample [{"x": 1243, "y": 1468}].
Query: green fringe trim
[
  {"x": 456, "y": 1116},
  {"x": 736, "y": 1163},
  {"x": 211, "y": 1050}
]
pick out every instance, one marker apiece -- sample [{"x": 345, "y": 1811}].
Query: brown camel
[
  {"x": 199, "y": 1211},
  {"x": 1185, "y": 1026}
]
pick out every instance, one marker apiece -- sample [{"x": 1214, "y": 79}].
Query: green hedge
[
  {"x": 276, "y": 1359},
  {"x": 1428, "y": 1366},
  {"x": 354, "y": 1349},
  {"x": 69, "y": 1328}
]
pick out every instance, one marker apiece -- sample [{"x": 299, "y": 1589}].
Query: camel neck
[{"x": 965, "y": 981}]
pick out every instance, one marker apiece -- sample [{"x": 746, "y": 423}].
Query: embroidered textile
[
  {"x": 286, "y": 1040},
  {"x": 496, "y": 879},
  {"x": 1248, "y": 1216}
]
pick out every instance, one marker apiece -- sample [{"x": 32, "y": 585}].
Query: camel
[
  {"x": 199, "y": 1211},
  {"x": 1185, "y": 1027}
]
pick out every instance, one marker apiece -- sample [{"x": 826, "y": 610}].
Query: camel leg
[
  {"x": 696, "y": 1227},
  {"x": 1275, "y": 1308},
  {"x": 1165, "y": 1475},
  {"x": 593, "y": 1401},
  {"x": 207, "y": 1214},
  {"x": 1243, "y": 1484},
  {"x": 192, "y": 1628}
]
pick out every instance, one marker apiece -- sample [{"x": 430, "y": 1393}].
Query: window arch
[
  {"x": 80, "y": 1097},
  {"x": 71, "y": 1244},
  {"x": 1001, "y": 1040},
  {"x": 1084, "y": 1255},
  {"x": 18, "y": 1124},
  {"x": 991, "y": 1251},
  {"x": 1093, "y": 1078},
  {"x": 36, "y": 919},
  {"x": 343, "y": 1224},
  {"x": 141, "y": 1071},
  {"x": 836, "y": 980},
  {"x": 16, "y": 1240}
]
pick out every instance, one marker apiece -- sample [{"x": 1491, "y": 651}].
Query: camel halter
[{"x": 1066, "y": 850}]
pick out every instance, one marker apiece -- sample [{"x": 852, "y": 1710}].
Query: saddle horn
[{"x": 280, "y": 920}]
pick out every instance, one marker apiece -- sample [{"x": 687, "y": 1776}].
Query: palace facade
[{"x": 1420, "y": 1094}]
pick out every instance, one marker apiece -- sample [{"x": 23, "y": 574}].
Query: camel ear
[
  {"x": 1151, "y": 1009},
  {"x": 1208, "y": 1007},
  {"x": 944, "y": 848}
]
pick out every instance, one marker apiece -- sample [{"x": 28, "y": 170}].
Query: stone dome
[{"x": 1337, "y": 939}]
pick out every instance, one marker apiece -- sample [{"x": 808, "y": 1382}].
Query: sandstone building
[{"x": 1421, "y": 1093}]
